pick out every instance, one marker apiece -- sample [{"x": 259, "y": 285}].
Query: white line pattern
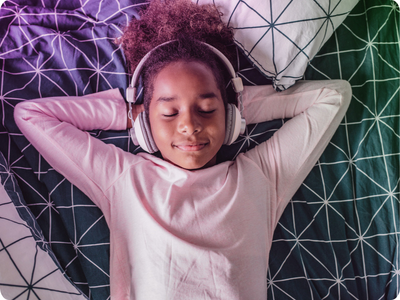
[{"x": 338, "y": 238}]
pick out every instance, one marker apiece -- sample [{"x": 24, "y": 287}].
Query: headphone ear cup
[
  {"x": 233, "y": 122},
  {"x": 143, "y": 133}
]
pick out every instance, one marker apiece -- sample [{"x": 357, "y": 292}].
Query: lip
[{"x": 191, "y": 146}]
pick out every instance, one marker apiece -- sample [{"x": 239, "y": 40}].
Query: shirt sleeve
[
  {"x": 316, "y": 109},
  {"x": 57, "y": 126}
]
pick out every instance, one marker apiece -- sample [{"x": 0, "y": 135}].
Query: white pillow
[{"x": 280, "y": 37}]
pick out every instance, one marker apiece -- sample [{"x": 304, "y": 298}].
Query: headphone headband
[{"x": 131, "y": 90}]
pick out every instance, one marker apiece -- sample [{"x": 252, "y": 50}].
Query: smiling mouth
[{"x": 195, "y": 147}]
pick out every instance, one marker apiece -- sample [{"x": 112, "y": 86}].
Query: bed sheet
[
  {"x": 59, "y": 48},
  {"x": 337, "y": 239}
]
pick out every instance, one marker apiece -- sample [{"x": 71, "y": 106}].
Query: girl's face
[{"x": 187, "y": 115}]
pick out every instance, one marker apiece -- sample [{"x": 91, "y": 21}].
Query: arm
[
  {"x": 56, "y": 128},
  {"x": 316, "y": 109},
  {"x": 263, "y": 103}
]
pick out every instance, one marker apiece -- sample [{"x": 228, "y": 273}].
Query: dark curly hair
[
  {"x": 189, "y": 24},
  {"x": 166, "y": 20}
]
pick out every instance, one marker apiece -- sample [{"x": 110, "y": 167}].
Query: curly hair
[
  {"x": 188, "y": 24},
  {"x": 166, "y": 20}
]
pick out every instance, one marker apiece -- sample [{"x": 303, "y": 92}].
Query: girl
[{"x": 185, "y": 226}]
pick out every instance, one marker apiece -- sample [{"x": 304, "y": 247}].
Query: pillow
[{"x": 281, "y": 37}]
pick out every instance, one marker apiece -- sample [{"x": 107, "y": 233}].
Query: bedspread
[{"x": 338, "y": 237}]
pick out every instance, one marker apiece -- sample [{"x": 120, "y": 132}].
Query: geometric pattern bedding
[
  {"x": 338, "y": 237},
  {"x": 21, "y": 251},
  {"x": 60, "y": 48}
]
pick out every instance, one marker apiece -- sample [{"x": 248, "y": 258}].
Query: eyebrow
[
  {"x": 201, "y": 96},
  {"x": 208, "y": 95},
  {"x": 166, "y": 99}
]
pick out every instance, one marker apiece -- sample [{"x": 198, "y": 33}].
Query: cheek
[
  {"x": 159, "y": 131},
  {"x": 220, "y": 126}
]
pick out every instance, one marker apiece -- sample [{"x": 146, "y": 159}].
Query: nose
[{"x": 189, "y": 123}]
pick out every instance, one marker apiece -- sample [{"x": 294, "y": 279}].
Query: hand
[{"x": 136, "y": 110}]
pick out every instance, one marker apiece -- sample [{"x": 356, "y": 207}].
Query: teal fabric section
[{"x": 339, "y": 237}]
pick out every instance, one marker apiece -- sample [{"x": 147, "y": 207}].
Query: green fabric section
[{"x": 338, "y": 239}]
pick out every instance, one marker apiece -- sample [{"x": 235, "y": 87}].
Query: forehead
[
  {"x": 183, "y": 76},
  {"x": 189, "y": 68}
]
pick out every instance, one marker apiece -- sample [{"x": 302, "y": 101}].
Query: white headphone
[{"x": 234, "y": 124}]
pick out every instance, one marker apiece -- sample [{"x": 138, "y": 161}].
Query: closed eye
[
  {"x": 169, "y": 115},
  {"x": 207, "y": 111}
]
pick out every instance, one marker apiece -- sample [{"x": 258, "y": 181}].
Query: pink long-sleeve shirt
[{"x": 180, "y": 234}]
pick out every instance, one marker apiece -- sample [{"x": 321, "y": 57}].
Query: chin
[
  {"x": 191, "y": 166},
  {"x": 195, "y": 165},
  {"x": 191, "y": 161}
]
